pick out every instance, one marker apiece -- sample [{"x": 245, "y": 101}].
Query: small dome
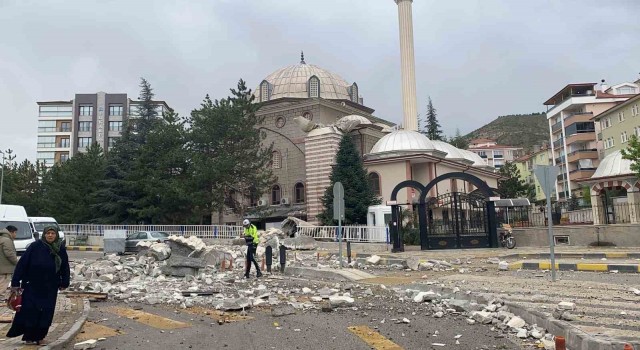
[
  {"x": 403, "y": 140},
  {"x": 355, "y": 118},
  {"x": 475, "y": 158},
  {"x": 451, "y": 151},
  {"x": 613, "y": 165},
  {"x": 293, "y": 81}
]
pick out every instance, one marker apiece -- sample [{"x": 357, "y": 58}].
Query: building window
[
  {"x": 374, "y": 182},
  {"x": 56, "y": 111},
  {"x": 621, "y": 116},
  {"x": 46, "y": 141},
  {"x": 264, "y": 91},
  {"x": 623, "y": 137},
  {"x": 112, "y": 141},
  {"x": 85, "y": 110},
  {"x": 46, "y": 158},
  {"x": 64, "y": 143},
  {"x": 634, "y": 110},
  {"x": 276, "y": 160},
  {"x": 299, "y": 192},
  {"x": 115, "y": 126},
  {"x": 64, "y": 157},
  {"x": 280, "y": 121},
  {"x": 314, "y": 87},
  {"x": 610, "y": 142},
  {"x": 47, "y": 126},
  {"x": 275, "y": 195},
  {"x": 626, "y": 90},
  {"x": 84, "y": 142},
  {"x": 354, "y": 93},
  {"x": 607, "y": 122},
  {"x": 636, "y": 131},
  {"x": 65, "y": 127},
  {"x": 307, "y": 115},
  {"x": 84, "y": 126},
  {"x": 115, "y": 110}
]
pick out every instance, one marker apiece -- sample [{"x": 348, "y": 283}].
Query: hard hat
[{"x": 246, "y": 222}]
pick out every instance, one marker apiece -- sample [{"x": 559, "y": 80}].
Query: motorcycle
[{"x": 505, "y": 235}]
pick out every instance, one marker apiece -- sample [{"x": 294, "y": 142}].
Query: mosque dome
[
  {"x": 613, "y": 165},
  {"x": 451, "y": 151},
  {"x": 475, "y": 158},
  {"x": 305, "y": 81},
  {"x": 403, "y": 140}
]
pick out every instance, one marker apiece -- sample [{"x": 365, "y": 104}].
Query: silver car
[{"x": 131, "y": 243}]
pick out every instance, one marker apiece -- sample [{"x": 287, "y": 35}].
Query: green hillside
[{"x": 522, "y": 130}]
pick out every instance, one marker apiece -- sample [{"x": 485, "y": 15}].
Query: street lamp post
[{"x": 2, "y": 177}]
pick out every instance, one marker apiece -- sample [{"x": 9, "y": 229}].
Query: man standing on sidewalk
[
  {"x": 8, "y": 257},
  {"x": 252, "y": 240}
]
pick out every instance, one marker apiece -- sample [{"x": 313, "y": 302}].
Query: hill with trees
[{"x": 521, "y": 130}]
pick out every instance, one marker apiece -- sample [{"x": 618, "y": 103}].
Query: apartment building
[
  {"x": 492, "y": 153},
  {"x": 528, "y": 163},
  {"x": 617, "y": 125},
  {"x": 572, "y": 131},
  {"x": 68, "y": 127}
]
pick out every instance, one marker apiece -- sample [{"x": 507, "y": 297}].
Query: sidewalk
[{"x": 69, "y": 316}]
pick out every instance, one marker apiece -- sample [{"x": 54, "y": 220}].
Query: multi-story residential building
[
  {"x": 572, "y": 130},
  {"x": 68, "y": 127},
  {"x": 492, "y": 153},
  {"x": 617, "y": 125},
  {"x": 528, "y": 163}
]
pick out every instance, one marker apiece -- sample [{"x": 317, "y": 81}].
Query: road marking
[
  {"x": 92, "y": 330},
  {"x": 616, "y": 255},
  {"x": 152, "y": 320},
  {"x": 376, "y": 340},
  {"x": 592, "y": 267},
  {"x": 546, "y": 265}
]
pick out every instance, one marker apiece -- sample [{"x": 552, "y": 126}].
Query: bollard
[
  {"x": 283, "y": 258},
  {"x": 349, "y": 252},
  {"x": 269, "y": 256},
  {"x": 560, "y": 343},
  {"x": 262, "y": 264}
]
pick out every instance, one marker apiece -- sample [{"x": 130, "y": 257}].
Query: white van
[
  {"x": 38, "y": 223},
  {"x": 16, "y": 215}
]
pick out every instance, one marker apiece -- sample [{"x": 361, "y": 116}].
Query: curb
[
  {"x": 591, "y": 267},
  {"x": 573, "y": 256},
  {"x": 85, "y": 248},
  {"x": 72, "y": 332}
]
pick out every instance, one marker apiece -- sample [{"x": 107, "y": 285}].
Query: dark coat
[{"x": 36, "y": 274}]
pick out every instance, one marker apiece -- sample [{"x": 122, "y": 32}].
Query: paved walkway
[{"x": 68, "y": 310}]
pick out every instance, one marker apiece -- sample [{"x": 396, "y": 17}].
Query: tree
[
  {"x": 231, "y": 164},
  {"x": 632, "y": 153},
  {"x": 458, "y": 140},
  {"x": 511, "y": 185},
  {"x": 432, "y": 127},
  {"x": 358, "y": 194},
  {"x": 21, "y": 185}
]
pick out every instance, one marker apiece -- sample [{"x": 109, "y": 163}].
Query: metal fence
[
  {"x": 201, "y": 231},
  {"x": 619, "y": 213},
  {"x": 362, "y": 234}
]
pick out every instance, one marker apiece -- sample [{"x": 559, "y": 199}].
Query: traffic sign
[{"x": 338, "y": 201}]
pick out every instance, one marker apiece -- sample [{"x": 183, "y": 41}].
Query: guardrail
[
  {"x": 361, "y": 234},
  {"x": 200, "y": 231}
]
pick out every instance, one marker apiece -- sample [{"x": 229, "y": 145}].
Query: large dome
[
  {"x": 403, "y": 140},
  {"x": 293, "y": 81},
  {"x": 613, "y": 165},
  {"x": 451, "y": 151},
  {"x": 475, "y": 158}
]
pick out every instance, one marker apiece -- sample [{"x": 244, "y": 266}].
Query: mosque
[{"x": 307, "y": 110}]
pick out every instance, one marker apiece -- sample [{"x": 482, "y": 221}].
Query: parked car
[
  {"x": 131, "y": 243},
  {"x": 16, "y": 215},
  {"x": 38, "y": 223}
]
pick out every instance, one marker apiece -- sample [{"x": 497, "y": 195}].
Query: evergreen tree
[
  {"x": 432, "y": 127},
  {"x": 512, "y": 186},
  {"x": 358, "y": 194},
  {"x": 632, "y": 153},
  {"x": 458, "y": 140},
  {"x": 230, "y": 161},
  {"x": 21, "y": 185}
]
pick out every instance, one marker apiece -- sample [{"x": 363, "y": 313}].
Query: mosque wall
[{"x": 391, "y": 174}]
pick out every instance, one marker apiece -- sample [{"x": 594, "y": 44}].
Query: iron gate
[{"x": 457, "y": 220}]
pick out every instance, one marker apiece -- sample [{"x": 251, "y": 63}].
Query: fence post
[
  {"x": 349, "y": 252},
  {"x": 269, "y": 257},
  {"x": 283, "y": 258}
]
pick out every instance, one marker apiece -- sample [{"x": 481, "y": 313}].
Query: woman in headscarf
[{"x": 41, "y": 272}]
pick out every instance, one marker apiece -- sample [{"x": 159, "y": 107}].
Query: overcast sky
[{"x": 476, "y": 59}]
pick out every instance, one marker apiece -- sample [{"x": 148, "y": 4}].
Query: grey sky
[{"x": 476, "y": 59}]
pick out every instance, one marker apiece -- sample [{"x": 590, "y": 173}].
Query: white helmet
[{"x": 246, "y": 222}]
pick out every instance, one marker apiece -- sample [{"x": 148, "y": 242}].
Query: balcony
[
  {"x": 581, "y": 173},
  {"x": 560, "y": 176},
  {"x": 560, "y": 160},
  {"x": 581, "y": 137},
  {"x": 557, "y": 143},
  {"x": 582, "y": 154},
  {"x": 498, "y": 156},
  {"x": 556, "y": 127}
]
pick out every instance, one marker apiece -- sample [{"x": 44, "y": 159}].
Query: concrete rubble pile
[{"x": 495, "y": 313}]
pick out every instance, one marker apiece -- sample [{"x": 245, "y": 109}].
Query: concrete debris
[
  {"x": 566, "y": 305},
  {"x": 87, "y": 344},
  {"x": 635, "y": 291},
  {"x": 503, "y": 266},
  {"x": 516, "y": 322},
  {"x": 300, "y": 243},
  {"x": 282, "y": 310},
  {"x": 373, "y": 260}
]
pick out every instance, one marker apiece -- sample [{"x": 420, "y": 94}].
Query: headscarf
[{"x": 53, "y": 247}]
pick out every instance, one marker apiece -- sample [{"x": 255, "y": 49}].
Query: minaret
[{"x": 408, "y": 65}]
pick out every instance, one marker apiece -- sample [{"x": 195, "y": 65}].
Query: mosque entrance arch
[
  {"x": 397, "y": 219},
  {"x": 458, "y": 219}
]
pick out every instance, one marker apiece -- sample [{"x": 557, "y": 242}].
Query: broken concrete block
[
  {"x": 87, "y": 344},
  {"x": 482, "y": 317},
  {"x": 373, "y": 260},
  {"x": 516, "y": 322},
  {"x": 282, "y": 310},
  {"x": 566, "y": 305},
  {"x": 300, "y": 243},
  {"x": 503, "y": 266},
  {"x": 338, "y": 301}
]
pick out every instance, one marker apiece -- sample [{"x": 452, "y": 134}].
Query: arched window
[
  {"x": 314, "y": 87},
  {"x": 374, "y": 181},
  {"x": 276, "y": 160},
  {"x": 354, "y": 93},
  {"x": 275, "y": 195},
  {"x": 298, "y": 189},
  {"x": 264, "y": 91}
]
